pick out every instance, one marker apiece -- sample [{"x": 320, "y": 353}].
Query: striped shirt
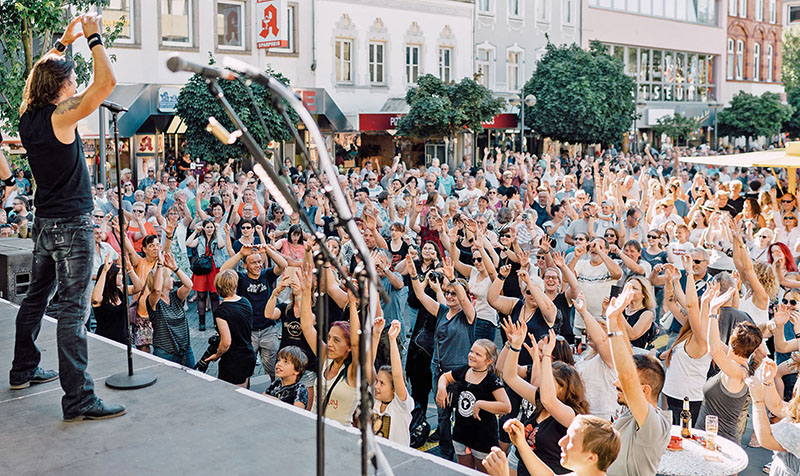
[{"x": 170, "y": 328}]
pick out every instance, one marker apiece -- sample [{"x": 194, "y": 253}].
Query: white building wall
[{"x": 430, "y": 23}]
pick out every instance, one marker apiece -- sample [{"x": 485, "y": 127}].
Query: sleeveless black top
[{"x": 63, "y": 188}]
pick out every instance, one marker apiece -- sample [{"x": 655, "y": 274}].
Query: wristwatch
[{"x": 61, "y": 47}]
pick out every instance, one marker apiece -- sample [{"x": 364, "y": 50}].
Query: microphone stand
[
  {"x": 370, "y": 449},
  {"x": 124, "y": 380}
]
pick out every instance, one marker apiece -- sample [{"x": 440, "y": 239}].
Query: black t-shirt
[
  {"x": 111, "y": 321},
  {"x": 481, "y": 434},
  {"x": 562, "y": 325},
  {"x": 536, "y": 324},
  {"x": 400, "y": 254},
  {"x": 292, "y": 334},
  {"x": 258, "y": 291},
  {"x": 290, "y": 394},
  {"x": 63, "y": 188},
  {"x": 543, "y": 439},
  {"x": 329, "y": 227},
  {"x": 239, "y": 317}
]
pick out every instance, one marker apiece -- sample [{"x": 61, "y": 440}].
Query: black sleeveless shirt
[{"x": 63, "y": 188}]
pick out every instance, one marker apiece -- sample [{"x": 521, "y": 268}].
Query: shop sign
[
  {"x": 168, "y": 100},
  {"x": 379, "y": 121},
  {"x": 89, "y": 147},
  {"x": 506, "y": 120},
  {"x": 272, "y": 24},
  {"x": 146, "y": 145}
]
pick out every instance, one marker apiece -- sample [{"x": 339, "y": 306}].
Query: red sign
[
  {"x": 381, "y": 121},
  {"x": 272, "y": 24},
  {"x": 309, "y": 98},
  {"x": 505, "y": 120}
]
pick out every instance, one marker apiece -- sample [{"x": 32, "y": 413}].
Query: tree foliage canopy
[
  {"x": 676, "y": 126},
  {"x": 754, "y": 116},
  {"x": 28, "y": 29},
  {"x": 582, "y": 96},
  {"x": 444, "y": 109},
  {"x": 195, "y": 105}
]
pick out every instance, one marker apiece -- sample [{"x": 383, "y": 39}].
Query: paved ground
[{"x": 758, "y": 457}]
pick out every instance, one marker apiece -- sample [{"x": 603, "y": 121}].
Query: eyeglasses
[
  {"x": 450, "y": 293},
  {"x": 372, "y": 179},
  {"x": 100, "y": 187},
  {"x": 546, "y": 277},
  {"x": 580, "y": 238},
  {"x": 247, "y": 228},
  {"x": 251, "y": 183},
  {"x": 698, "y": 261},
  {"x": 790, "y": 302}
]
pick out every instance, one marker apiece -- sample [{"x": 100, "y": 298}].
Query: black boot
[{"x": 202, "y": 322}]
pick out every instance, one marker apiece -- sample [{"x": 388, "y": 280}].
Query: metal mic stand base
[{"x": 123, "y": 381}]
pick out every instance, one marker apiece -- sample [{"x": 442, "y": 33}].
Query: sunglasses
[
  {"x": 790, "y": 302},
  {"x": 450, "y": 293},
  {"x": 99, "y": 217},
  {"x": 655, "y": 237},
  {"x": 247, "y": 228},
  {"x": 786, "y": 201},
  {"x": 789, "y": 218},
  {"x": 505, "y": 235},
  {"x": 580, "y": 239},
  {"x": 138, "y": 211},
  {"x": 477, "y": 259},
  {"x": 698, "y": 261}
]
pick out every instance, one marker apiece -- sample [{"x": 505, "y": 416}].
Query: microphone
[
  {"x": 114, "y": 107},
  {"x": 220, "y": 132},
  {"x": 175, "y": 63}
]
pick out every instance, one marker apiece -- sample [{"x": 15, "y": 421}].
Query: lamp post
[
  {"x": 715, "y": 106},
  {"x": 530, "y": 101}
]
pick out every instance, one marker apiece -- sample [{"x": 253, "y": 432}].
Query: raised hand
[
  {"x": 378, "y": 325},
  {"x": 169, "y": 261},
  {"x": 515, "y": 431},
  {"x": 71, "y": 33},
  {"x": 394, "y": 330},
  {"x": 781, "y": 316},
  {"x": 718, "y": 301},
  {"x": 504, "y": 271},
  {"x": 107, "y": 263},
  {"x": 558, "y": 259},
  {"x": 448, "y": 270},
  {"x": 549, "y": 343},
  {"x": 523, "y": 276},
  {"x": 410, "y": 266},
  {"x": 496, "y": 463},
  {"x": 580, "y": 302},
  {"x": 516, "y": 333},
  {"x": 617, "y": 304}
]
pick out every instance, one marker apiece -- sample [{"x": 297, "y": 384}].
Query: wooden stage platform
[{"x": 187, "y": 423}]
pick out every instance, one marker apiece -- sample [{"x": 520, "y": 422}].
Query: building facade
[
  {"x": 753, "y": 47},
  {"x": 674, "y": 49},
  {"x": 510, "y": 37}
]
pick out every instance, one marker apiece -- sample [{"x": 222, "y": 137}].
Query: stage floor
[{"x": 187, "y": 423}]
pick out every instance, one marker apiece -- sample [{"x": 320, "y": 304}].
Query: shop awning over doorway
[
  {"x": 151, "y": 107},
  {"x": 387, "y": 121},
  {"x": 321, "y": 104}
]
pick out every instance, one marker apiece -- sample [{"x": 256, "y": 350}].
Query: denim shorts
[{"x": 462, "y": 450}]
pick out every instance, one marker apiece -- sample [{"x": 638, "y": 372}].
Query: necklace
[{"x": 480, "y": 371}]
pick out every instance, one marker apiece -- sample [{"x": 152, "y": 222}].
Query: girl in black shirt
[
  {"x": 109, "y": 310},
  {"x": 558, "y": 400},
  {"x": 479, "y": 397},
  {"x": 234, "y": 319}
]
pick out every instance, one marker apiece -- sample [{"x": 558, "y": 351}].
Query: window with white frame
[
  {"x": 739, "y": 59},
  {"x": 446, "y": 64},
  {"x": 543, "y": 10},
  {"x": 743, "y": 8},
  {"x": 512, "y": 67},
  {"x": 177, "y": 23},
  {"x": 773, "y": 11},
  {"x": 291, "y": 20},
  {"x": 731, "y": 58},
  {"x": 412, "y": 63},
  {"x": 756, "y": 62},
  {"x": 121, "y": 11},
  {"x": 515, "y": 8},
  {"x": 343, "y": 53},
  {"x": 230, "y": 25},
  {"x": 759, "y": 10},
  {"x": 769, "y": 63},
  {"x": 732, "y": 4},
  {"x": 483, "y": 66},
  {"x": 377, "y": 62},
  {"x": 794, "y": 14},
  {"x": 484, "y": 6},
  {"x": 567, "y": 13}
]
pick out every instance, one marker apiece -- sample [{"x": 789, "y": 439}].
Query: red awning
[{"x": 382, "y": 121}]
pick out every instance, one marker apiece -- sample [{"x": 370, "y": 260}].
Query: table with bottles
[{"x": 694, "y": 459}]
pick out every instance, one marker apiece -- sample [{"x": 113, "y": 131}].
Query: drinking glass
[{"x": 712, "y": 425}]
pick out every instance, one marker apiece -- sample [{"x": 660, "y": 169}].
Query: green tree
[
  {"x": 792, "y": 126},
  {"x": 754, "y": 116},
  {"x": 28, "y": 29},
  {"x": 676, "y": 126},
  {"x": 790, "y": 60},
  {"x": 195, "y": 105},
  {"x": 581, "y": 96},
  {"x": 439, "y": 109}
]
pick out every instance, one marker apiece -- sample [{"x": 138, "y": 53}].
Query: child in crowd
[
  {"x": 606, "y": 218},
  {"x": 286, "y": 387},
  {"x": 479, "y": 398},
  {"x": 393, "y": 404},
  {"x": 680, "y": 246}
]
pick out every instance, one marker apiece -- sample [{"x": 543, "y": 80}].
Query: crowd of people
[{"x": 557, "y": 309}]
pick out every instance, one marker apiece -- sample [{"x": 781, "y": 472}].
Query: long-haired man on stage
[{"x": 63, "y": 229}]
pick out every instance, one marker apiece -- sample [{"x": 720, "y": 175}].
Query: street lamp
[
  {"x": 530, "y": 101},
  {"x": 715, "y": 106}
]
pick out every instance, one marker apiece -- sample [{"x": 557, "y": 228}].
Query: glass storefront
[
  {"x": 663, "y": 75},
  {"x": 703, "y": 12}
]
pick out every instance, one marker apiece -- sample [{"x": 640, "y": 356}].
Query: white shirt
[
  {"x": 595, "y": 282},
  {"x": 396, "y": 418}
]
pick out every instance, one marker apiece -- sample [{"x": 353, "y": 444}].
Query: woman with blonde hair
[
  {"x": 234, "y": 319},
  {"x": 760, "y": 283},
  {"x": 639, "y": 313}
]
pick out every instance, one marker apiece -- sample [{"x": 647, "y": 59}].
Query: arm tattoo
[{"x": 69, "y": 105}]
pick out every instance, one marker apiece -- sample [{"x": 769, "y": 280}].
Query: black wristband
[
  {"x": 10, "y": 181},
  {"x": 61, "y": 47},
  {"x": 94, "y": 40}
]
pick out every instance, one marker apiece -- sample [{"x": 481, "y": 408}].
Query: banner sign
[{"x": 272, "y": 24}]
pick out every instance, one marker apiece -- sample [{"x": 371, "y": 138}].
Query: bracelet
[
  {"x": 616, "y": 334},
  {"x": 547, "y": 355},
  {"x": 767, "y": 384},
  {"x": 94, "y": 40},
  {"x": 10, "y": 181},
  {"x": 514, "y": 349},
  {"x": 797, "y": 336},
  {"x": 501, "y": 277},
  {"x": 412, "y": 277},
  {"x": 713, "y": 316},
  {"x": 61, "y": 47}
]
